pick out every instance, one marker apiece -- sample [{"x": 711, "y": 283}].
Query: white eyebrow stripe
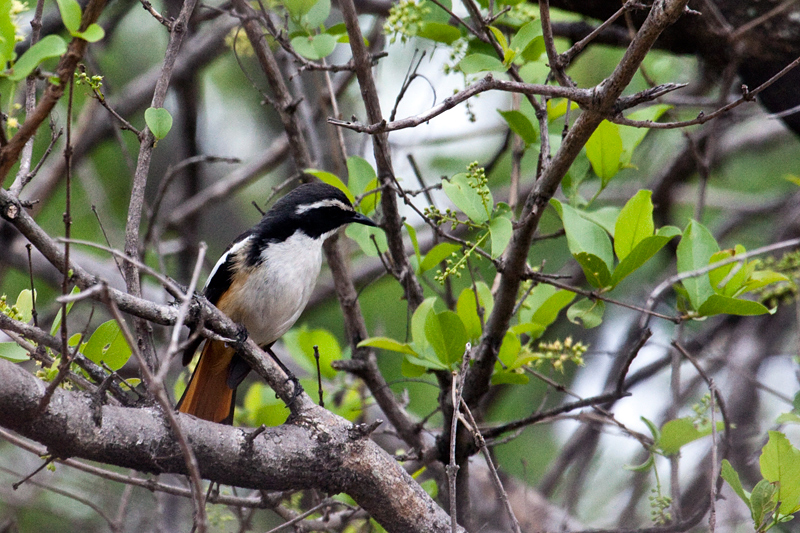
[
  {"x": 328, "y": 202},
  {"x": 221, "y": 261}
]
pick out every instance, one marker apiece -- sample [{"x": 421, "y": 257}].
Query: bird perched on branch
[{"x": 263, "y": 281}]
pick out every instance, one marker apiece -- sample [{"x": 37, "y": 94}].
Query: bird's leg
[
  {"x": 241, "y": 337},
  {"x": 238, "y": 368},
  {"x": 298, "y": 389}
]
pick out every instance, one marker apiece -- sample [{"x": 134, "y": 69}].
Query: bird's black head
[{"x": 313, "y": 208}]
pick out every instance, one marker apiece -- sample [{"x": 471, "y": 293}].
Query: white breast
[{"x": 275, "y": 293}]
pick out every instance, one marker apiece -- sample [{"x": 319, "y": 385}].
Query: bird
[{"x": 263, "y": 281}]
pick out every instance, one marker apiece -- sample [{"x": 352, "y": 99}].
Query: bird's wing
[{"x": 219, "y": 281}]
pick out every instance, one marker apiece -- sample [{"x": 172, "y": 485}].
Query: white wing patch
[
  {"x": 221, "y": 261},
  {"x": 328, "y": 202}
]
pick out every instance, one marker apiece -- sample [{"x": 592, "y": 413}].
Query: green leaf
[
  {"x": 780, "y": 462},
  {"x": 314, "y": 47},
  {"x": 509, "y": 378},
  {"x": 634, "y": 224},
  {"x": 107, "y": 344},
  {"x": 594, "y": 269},
  {"x": 605, "y": 217},
  {"x": 298, "y": 8},
  {"x": 92, "y": 34},
  {"x": 318, "y": 14},
  {"x": 427, "y": 361},
  {"x": 587, "y": 313},
  {"x": 718, "y": 305},
  {"x": 412, "y": 234},
  {"x": 446, "y": 334},
  {"x": 763, "y": 500},
  {"x": 644, "y": 250},
  {"x": 501, "y": 230},
  {"x": 604, "y": 150},
  {"x": 385, "y": 343},
  {"x": 762, "y": 278},
  {"x": 7, "y": 34},
  {"x": 584, "y": 235},
  {"x": 501, "y": 38},
  {"x": 644, "y": 467},
  {"x": 339, "y": 31},
  {"x": 531, "y": 329},
  {"x": 558, "y": 110},
  {"x": 533, "y": 52},
  {"x": 370, "y": 202},
  {"x": 521, "y": 125},
  {"x": 331, "y": 179},
  {"x": 57, "y": 322},
  {"x": 788, "y": 418},
  {"x": 410, "y": 370},
  {"x": 159, "y": 121},
  {"x": 300, "y": 344},
  {"x": 694, "y": 252},
  {"x": 631, "y": 137},
  {"x": 509, "y": 351},
  {"x": 24, "y": 305},
  {"x": 680, "y": 432},
  {"x": 546, "y": 312},
  {"x": 363, "y": 235},
  {"x": 439, "y": 32},
  {"x": 70, "y": 14},
  {"x": 654, "y": 431},
  {"x": 732, "y": 477},
  {"x": 262, "y": 407},
  {"x": 474, "y": 63},
  {"x": 418, "y": 320},
  {"x": 466, "y": 198},
  {"x": 467, "y": 308},
  {"x": 13, "y": 352},
  {"x": 577, "y": 174},
  {"x": 525, "y": 36},
  {"x": 437, "y": 254},
  {"x": 50, "y": 46},
  {"x": 738, "y": 272},
  {"x": 430, "y": 486},
  {"x": 359, "y": 174},
  {"x": 347, "y": 401}
]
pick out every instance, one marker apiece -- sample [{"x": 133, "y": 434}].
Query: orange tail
[{"x": 208, "y": 395}]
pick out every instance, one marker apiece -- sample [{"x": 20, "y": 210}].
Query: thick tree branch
[
  {"x": 662, "y": 14},
  {"x": 317, "y": 450}
]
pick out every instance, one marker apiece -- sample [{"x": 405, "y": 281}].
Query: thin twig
[
  {"x": 136, "y": 204},
  {"x": 319, "y": 376},
  {"x": 747, "y": 96},
  {"x": 492, "y": 469},
  {"x": 452, "y": 468},
  {"x": 174, "y": 347},
  {"x": 489, "y": 83}
]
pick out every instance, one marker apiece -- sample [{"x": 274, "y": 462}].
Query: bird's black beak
[{"x": 358, "y": 218}]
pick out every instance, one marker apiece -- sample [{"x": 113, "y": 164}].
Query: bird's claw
[
  {"x": 298, "y": 389},
  {"x": 241, "y": 336}
]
